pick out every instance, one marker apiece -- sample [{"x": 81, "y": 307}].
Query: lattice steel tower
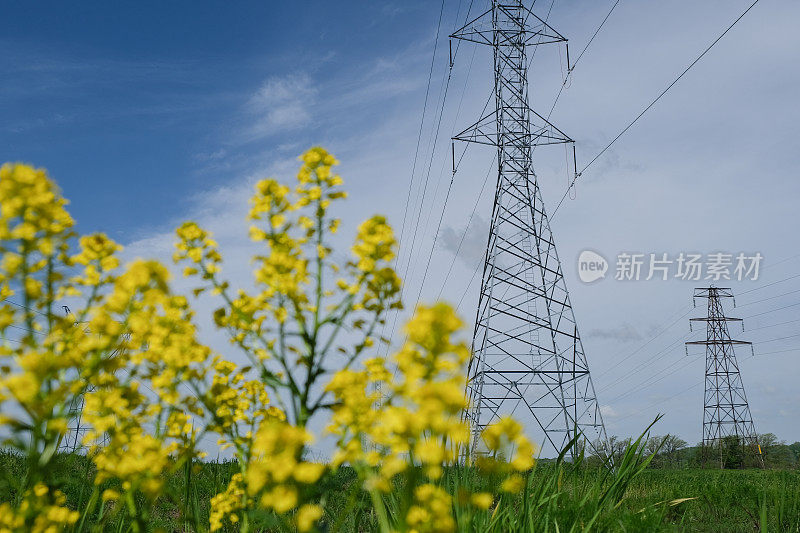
[
  {"x": 528, "y": 359},
  {"x": 727, "y": 424},
  {"x": 77, "y": 428}
]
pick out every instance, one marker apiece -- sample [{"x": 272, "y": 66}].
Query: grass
[{"x": 556, "y": 498}]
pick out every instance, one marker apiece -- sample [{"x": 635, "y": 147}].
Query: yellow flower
[
  {"x": 308, "y": 472},
  {"x": 110, "y": 495},
  {"x": 281, "y": 498},
  {"x": 504, "y": 436},
  {"x": 431, "y": 511},
  {"x": 225, "y": 505},
  {"x": 513, "y": 484},
  {"x": 482, "y": 500},
  {"x": 307, "y": 516},
  {"x": 375, "y": 242}
]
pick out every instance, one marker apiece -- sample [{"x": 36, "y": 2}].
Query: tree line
[{"x": 670, "y": 451}]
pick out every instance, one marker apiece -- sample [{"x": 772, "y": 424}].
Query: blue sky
[
  {"x": 151, "y": 113},
  {"x": 126, "y": 103}
]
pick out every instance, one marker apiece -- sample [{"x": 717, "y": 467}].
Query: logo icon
[{"x": 591, "y": 266}]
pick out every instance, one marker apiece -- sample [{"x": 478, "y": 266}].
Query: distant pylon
[
  {"x": 76, "y": 430},
  {"x": 528, "y": 359},
  {"x": 728, "y": 427},
  {"x": 73, "y": 441}
]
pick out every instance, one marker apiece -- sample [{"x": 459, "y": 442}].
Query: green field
[{"x": 573, "y": 499}]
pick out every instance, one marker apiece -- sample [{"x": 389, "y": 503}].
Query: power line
[
  {"x": 773, "y": 310},
  {"x": 26, "y": 329},
  {"x": 646, "y": 109},
  {"x": 416, "y": 151},
  {"x": 660, "y": 402},
  {"x": 450, "y": 185},
  {"x": 770, "y": 284},
  {"x": 571, "y": 68},
  {"x": 779, "y": 351},
  {"x": 466, "y": 228},
  {"x": 782, "y": 261},
  {"x": 469, "y": 284},
  {"x": 421, "y": 194},
  {"x": 653, "y": 382},
  {"x": 632, "y": 373},
  {"x": 661, "y": 377},
  {"x": 421, "y": 127},
  {"x": 646, "y": 343},
  {"x": 779, "y": 339},
  {"x": 639, "y": 368},
  {"x": 642, "y": 365},
  {"x": 433, "y": 143},
  {"x": 769, "y": 298},
  {"x": 422, "y": 122},
  {"x": 772, "y": 325},
  {"x": 595, "y": 34},
  {"x": 26, "y": 308}
]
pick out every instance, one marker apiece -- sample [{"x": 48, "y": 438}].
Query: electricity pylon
[
  {"x": 728, "y": 429},
  {"x": 77, "y": 429},
  {"x": 528, "y": 359}
]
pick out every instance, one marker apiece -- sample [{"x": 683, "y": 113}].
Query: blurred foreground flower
[{"x": 148, "y": 390}]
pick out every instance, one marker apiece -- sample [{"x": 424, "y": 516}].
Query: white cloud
[
  {"x": 282, "y": 103},
  {"x": 622, "y": 333},
  {"x": 469, "y": 243},
  {"x": 608, "y": 411}
]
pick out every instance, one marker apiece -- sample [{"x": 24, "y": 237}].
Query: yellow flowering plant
[
  {"x": 292, "y": 327},
  {"x": 131, "y": 330},
  {"x": 297, "y": 326},
  {"x": 150, "y": 391}
]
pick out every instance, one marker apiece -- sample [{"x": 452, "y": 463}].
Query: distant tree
[
  {"x": 767, "y": 440},
  {"x": 671, "y": 448},
  {"x": 654, "y": 444},
  {"x": 795, "y": 447},
  {"x": 705, "y": 456},
  {"x": 611, "y": 450},
  {"x": 777, "y": 454},
  {"x": 601, "y": 453},
  {"x": 731, "y": 452},
  {"x": 666, "y": 448},
  {"x": 618, "y": 447}
]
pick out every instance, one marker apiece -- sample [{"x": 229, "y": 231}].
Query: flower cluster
[
  {"x": 34, "y": 224},
  {"x": 431, "y": 511},
  {"x": 130, "y": 333},
  {"x": 510, "y": 452},
  {"x": 42, "y": 510},
  {"x": 420, "y": 417},
  {"x": 237, "y": 405},
  {"x": 277, "y": 475},
  {"x": 129, "y": 367},
  {"x": 417, "y": 427},
  {"x": 304, "y": 301},
  {"x": 227, "y": 505}
]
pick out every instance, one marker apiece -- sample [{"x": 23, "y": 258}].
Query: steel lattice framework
[
  {"x": 77, "y": 429},
  {"x": 528, "y": 359},
  {"x": 726, "y": 413}
]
